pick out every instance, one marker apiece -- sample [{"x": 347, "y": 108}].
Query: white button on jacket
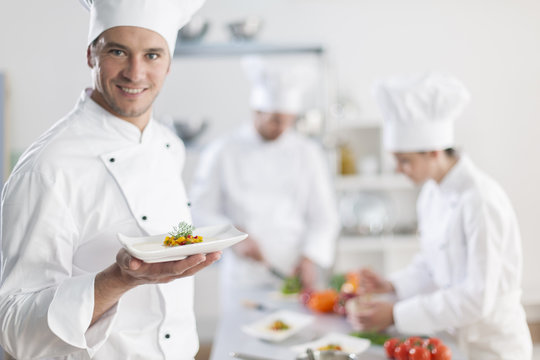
[{"x": 88, "y": 178}]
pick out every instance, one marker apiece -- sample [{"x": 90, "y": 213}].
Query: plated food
[
  {"x": 335, "y": 341},
  {"x": 151, "y": 249},
  {"x": 182, "y": 235},
  {"x": 278, "y": 326}
]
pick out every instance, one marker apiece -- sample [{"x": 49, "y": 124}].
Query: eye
[
  {"x": 116, "y": 52},
  {"x": 153, "y": 56}
]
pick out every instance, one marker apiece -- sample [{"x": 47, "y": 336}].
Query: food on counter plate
[
  {"x": 279, "y": 325},
  {"x": 182, "y": 235},
  {"x": 330, "y": 347},
  {"x": 416, "y": 348}
]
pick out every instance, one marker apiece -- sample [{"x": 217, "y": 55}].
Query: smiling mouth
[{"x": 131, "y": 91}]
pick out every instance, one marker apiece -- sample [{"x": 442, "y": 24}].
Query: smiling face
[{"x": 129, "y": 66}]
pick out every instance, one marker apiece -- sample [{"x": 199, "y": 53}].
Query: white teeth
[{"x": 132, "y": 91}]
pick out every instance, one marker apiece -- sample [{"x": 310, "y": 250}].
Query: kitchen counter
[{"x": 230, "y": 337}]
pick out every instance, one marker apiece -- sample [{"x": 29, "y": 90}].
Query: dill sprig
[{"x": 182, "y": 230}]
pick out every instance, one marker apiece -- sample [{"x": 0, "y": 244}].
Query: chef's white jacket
[
  {"x": 91, "y": 176},
  {"x": 278, "y": 191},
  {"x": 467, "y": 277}
]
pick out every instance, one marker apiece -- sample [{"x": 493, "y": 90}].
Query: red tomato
[
  {"x": 401, "y": 352},
  {"x": 419, "y": 353},
  {"x": 441, "y": 352},
  {"x": 414, "y": 341},
  {"x": 432, "y": 343},
  {"x": 390, "y": 346}
]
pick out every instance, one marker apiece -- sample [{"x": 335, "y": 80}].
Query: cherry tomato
[
  {"x": 419, "y": 353},
  {"x": 441, "y": 352},
  {"x": 414, "y": 341},
  {"x": 390, "y": 346},
  {"x": 431, "y": 343},
  {"x": 401, "y": 352}
]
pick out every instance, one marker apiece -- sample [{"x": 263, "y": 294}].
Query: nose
[{"x": 134, "y": 70}]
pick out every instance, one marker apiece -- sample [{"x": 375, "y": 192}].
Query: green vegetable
[
  {"x": 182, "y": 230},
  {"x": 375, "y": 337},
  {"x": 337, "y": 281},
  {"x": 291, "y": 285}
]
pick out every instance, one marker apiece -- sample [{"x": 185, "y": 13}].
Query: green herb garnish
[
  {"x": 375, "y": 337},
  {"x": 182, "y": 230}
]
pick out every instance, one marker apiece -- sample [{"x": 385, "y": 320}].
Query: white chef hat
[
  {"x": 165, "y": 17},
  {"x": 419, "y": 111},
  {"x": 278, "y": 87}
]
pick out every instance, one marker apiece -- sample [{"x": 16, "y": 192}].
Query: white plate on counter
[
  {"x": 262, "y": 328},
  {"x": 348, "y": 344},
  {"x": 150, "y": 249}
]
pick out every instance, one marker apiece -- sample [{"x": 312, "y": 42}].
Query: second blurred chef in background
[{"x": 272, "y": 182}]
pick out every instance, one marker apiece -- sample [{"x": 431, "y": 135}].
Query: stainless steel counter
[{"x": 230, "y": 338}]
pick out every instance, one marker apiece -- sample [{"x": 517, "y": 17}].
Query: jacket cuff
[
  {"x": 70, "y": 314},
  {"x": 410, "y": 317}
]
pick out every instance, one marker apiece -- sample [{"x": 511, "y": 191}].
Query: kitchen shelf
[
  {"x": 378, "y": 243},
  {"x": 243, "y": 48},
  {"x": 373, "y": 182}
]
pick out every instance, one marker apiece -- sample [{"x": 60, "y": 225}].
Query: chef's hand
[
  {"x": 137, "y": 272},
  {"x": 307, "y": 271},
  {"x": 249, "y": 249},
  {"x": 372, "y": 316},
  {"x": 372, "y": 283},
  {"x": 128, "y": 272}
]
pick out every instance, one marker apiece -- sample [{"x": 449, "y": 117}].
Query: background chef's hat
[
  {"x": 278, "y": 87},
  {"x": 419, "y": 111},
  {"x": 165, "y": 17}
]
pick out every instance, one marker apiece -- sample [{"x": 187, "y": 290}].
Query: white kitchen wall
[{"x": 492, "y": 45}]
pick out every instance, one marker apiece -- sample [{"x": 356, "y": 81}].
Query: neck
[{"x": 446, "y": 164}]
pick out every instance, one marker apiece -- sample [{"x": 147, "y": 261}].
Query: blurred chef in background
[
  {"x": 467, "y": 276},
  {"x": 272, "y": 182}
]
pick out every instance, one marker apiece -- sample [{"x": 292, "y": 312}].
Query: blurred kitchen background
[{"x": 493, "y": 46}]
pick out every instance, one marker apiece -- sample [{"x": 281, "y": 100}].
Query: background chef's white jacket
[
  {"x": 88, "y": 178},
  {"x": 278, "y": 191},
  {"x": 467, "y": 276}
]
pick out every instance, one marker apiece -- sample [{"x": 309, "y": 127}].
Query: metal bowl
[
  {"x": 193, "y": 31},
  {"x": 246, "y": 29},
  {"x": 328, "y": 355}
]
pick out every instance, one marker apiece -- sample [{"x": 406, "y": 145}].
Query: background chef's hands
[
  {"x": 372, "y": 283},
  {"x": 370, "y": 315},
  {"x": 249, "y": 249},
  {"x": 307, "y": 271}
]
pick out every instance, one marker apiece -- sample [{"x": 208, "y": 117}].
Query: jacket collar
[
  {"x": 113, "y": 124},
  {"x": 456, "y": 178}
]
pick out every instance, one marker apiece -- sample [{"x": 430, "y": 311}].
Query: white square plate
[
  {"x": 150, "y": 249},
  {"x": 261, "y": 328},
  {"x": 349, "y": 344}
]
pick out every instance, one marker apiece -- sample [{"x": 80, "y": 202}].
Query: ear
[{"x": 90, "y": 57}]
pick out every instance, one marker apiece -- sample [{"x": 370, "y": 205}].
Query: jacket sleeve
[
  {"x": 206, "y": 194},
  {"x": 44, "y": 310},
  {"x": 474, "y": 297},
  {"x": 322, "y": 221}
]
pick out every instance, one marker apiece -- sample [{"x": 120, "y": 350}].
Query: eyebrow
[{"x": 110, "y": 45}]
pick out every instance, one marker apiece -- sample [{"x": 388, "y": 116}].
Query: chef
[
  {"x": 271, "y": 182},
  {"x": 67, "y": 290},
  {"x": 466, "y": 278}
]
